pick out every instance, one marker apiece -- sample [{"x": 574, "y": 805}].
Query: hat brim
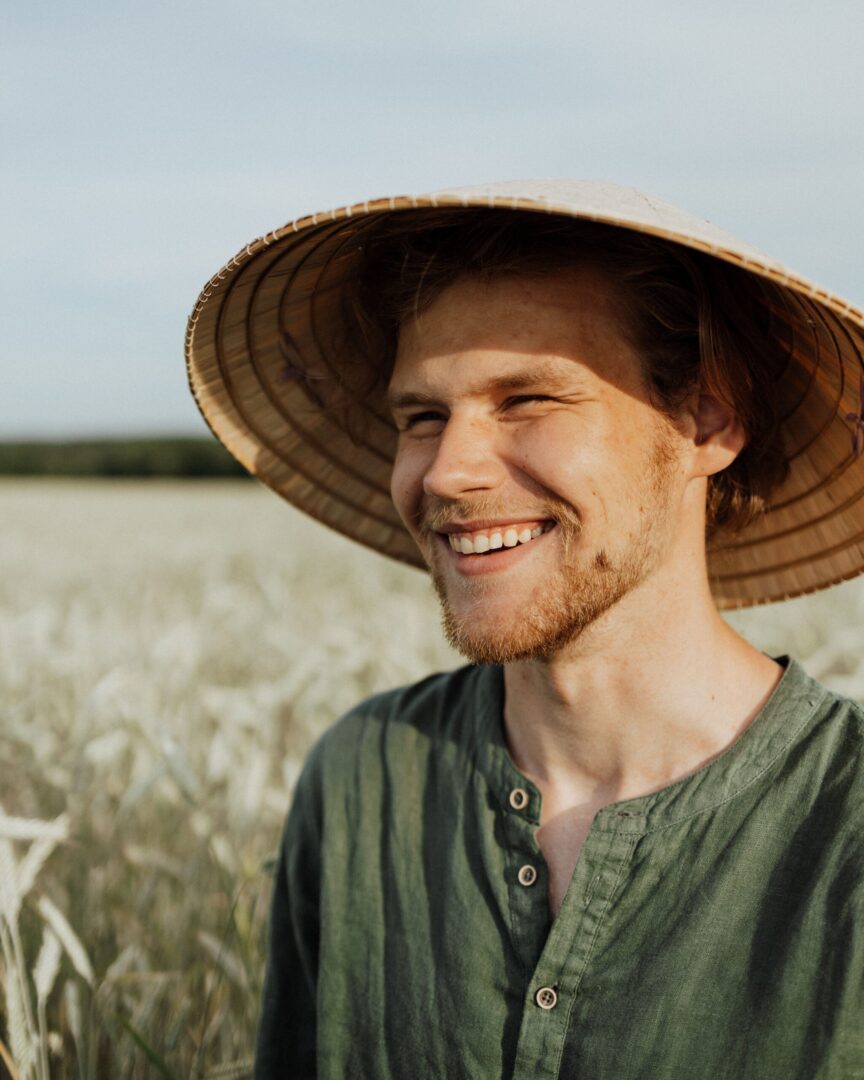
[{"x": 263, "y": 338}]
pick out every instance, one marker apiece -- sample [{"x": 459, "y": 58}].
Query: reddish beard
[{"x": 583, "y": 589}]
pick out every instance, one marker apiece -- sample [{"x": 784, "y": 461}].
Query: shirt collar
[{"x": 778, "y": 725}]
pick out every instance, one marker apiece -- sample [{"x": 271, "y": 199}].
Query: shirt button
[
  {"x": 518, "y": 798},
  {"x": 527, "y": 875},
  {"x": 546, "y": 997}
]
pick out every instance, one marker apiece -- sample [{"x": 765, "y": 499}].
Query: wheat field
[{"x": 168, "y": 652}]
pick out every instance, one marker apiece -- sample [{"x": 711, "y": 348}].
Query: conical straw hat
[{"x": 260, "y": 355}]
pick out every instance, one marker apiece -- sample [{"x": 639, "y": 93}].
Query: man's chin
[
  {"x": 485, "y": 625},
  {"x": 494, "y": 626},
  {"x": 502, "y": 646},
  {"x": 485, "y": 636}
]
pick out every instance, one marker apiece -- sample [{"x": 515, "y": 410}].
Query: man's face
[{"x": 537, "y": 479}]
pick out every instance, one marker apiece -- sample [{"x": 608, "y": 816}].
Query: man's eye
[
  {"x": 524, "y": 399},
  {"x": 416, "y": 419}
]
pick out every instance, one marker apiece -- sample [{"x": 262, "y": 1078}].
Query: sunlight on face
[
  {"x": 572, "y": 599},
  {"x": 521, "y": 406}
]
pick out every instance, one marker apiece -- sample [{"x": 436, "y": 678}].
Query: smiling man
[
  {"x": 524, "y": 415},
  {"x": 621, "y": 842}
]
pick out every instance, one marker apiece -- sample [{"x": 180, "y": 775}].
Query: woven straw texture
[{"x": 262, "y": 339}]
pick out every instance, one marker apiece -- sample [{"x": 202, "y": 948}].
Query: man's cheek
[
  {"x": 406, "y": 487},
  {"x": 399, "y": 490}
]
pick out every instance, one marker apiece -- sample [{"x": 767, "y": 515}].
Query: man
[{"x": 622, "y": 843}]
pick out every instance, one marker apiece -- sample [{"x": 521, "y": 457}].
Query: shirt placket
[
  {"x": 563, "y": 955},
  {"x": 526, "y": 873}
]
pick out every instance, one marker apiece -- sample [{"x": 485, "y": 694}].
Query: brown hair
[{"x": 699, "y": 323}]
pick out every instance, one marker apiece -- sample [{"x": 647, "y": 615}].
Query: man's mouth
[{"x": 486, "y": 540}]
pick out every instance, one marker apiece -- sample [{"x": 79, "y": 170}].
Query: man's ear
[{"x": 718, "y": 435}]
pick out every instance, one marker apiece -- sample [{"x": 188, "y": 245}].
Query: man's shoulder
[
  {"x": 823, "y": 716},
  {"x": 826, "y": 758},
  {"x": 449, "y": 708},
  {"x": 834, "y": 714}
]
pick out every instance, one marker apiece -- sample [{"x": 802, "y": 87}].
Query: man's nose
[{"x": 465, "y": 460}]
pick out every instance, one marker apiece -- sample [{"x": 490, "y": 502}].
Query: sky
[{"x": 144, "y": 144}]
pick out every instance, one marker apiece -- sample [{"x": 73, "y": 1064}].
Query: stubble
[{"x": 567, "y": 603}]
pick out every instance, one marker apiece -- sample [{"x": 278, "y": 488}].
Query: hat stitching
[{"x": 390, "y": 539}]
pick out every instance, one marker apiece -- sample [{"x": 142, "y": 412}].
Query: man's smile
[
  {"x": 472, "y": 548},
  {"x": 468, "y": 540}
]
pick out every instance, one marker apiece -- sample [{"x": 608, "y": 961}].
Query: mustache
[{"x": 436, "y": 513}]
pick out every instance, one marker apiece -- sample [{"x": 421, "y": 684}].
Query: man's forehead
[
  {"x": 561, "y": 329},
  {"x": 513, "y": 307}
]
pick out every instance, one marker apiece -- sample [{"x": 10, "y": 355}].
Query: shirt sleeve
[{"x": 287, "y": 1026}]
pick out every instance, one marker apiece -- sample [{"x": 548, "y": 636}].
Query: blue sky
[{"x": 144, "y": 144}]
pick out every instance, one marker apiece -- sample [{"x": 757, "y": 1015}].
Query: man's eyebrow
[
  {"x": 528, "y": 378},
  {"x": 552, "y": 379},
  {"x": 406, "y": 399}
]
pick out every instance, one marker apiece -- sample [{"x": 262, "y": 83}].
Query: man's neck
[
  {"x": 647, "y": 695},
  {"x": 651, "y": 692}
]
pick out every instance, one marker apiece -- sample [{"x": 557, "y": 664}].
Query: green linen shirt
[{"x": 711, "y": 929}]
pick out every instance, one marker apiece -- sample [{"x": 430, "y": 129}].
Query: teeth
[{"x": 479, "y": 543}]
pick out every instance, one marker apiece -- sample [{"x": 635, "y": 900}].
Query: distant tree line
[{"x": 180, "y": 457}]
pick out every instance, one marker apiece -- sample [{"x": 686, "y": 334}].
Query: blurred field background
[{"x": 168, "y": 652}]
